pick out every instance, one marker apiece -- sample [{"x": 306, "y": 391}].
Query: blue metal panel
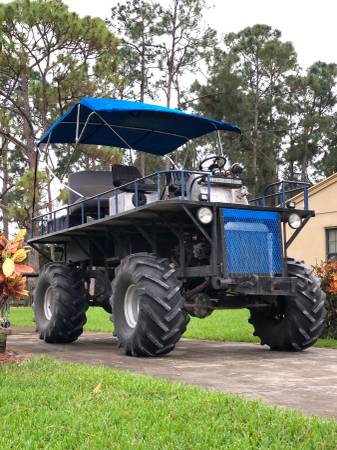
[{"x": 252, "y": 241}]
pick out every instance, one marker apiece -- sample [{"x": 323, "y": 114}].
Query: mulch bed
[{"x": 9, "y": 358}]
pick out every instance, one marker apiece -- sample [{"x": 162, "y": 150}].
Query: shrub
[
  {"x": 13, "y": 255},
  {"x": 327, "y": 272}
]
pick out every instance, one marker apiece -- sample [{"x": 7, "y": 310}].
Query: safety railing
[
  {"x": 64, "y": 217},
  {"x": 280, "y": 192}
]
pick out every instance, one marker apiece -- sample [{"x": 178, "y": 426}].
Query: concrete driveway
[{"x": 305, "y": 381}]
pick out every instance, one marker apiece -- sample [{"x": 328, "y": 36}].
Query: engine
[
  {"x": 224, "y": 187},
  {"x": 197, "y": 250}
]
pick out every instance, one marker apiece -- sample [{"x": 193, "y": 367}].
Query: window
[{"x": 331, "y": 244}]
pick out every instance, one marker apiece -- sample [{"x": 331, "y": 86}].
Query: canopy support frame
[
  {"x": 219, "y": 139},
  {"x": 77, "y": 122}
]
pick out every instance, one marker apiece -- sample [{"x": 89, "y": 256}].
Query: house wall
[{"x": 310, "y": 245}]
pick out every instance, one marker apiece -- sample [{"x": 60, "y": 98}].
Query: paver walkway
[{"x": 306, "y": 381}]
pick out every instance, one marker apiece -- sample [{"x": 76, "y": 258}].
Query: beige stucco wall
[{"x": 310, "y": 245}]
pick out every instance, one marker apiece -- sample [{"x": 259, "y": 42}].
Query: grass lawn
[
  {"x": 231, "y": 325},
  {"x": 54, "y": 405}
]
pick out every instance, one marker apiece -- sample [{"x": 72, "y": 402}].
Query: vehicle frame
[{"x": 101, "y": 243}]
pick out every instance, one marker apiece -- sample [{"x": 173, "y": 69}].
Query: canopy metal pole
[
  {"x": 133, "y": 128},
  {"x": 77, "y": 122},
  {"x": 34, "y": 187},
  {"x": 78, "y": 139},
  {"x": 114, "y": 131},
  {"x": 219, "y": 140},
  {"x": 54, "y": 175},
  {"x": 63, "y": 184},
  {"x": 79, "y": 135},
  {"x": 171, "y": 161}
]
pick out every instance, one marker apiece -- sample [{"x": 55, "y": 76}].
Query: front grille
[{"x": 252, "y": 242}]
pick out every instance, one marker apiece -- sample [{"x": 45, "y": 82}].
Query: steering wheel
[{"x": 215, "y": 162}]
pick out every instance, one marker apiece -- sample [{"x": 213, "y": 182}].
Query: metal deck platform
[{"x": 147, "y": 213}]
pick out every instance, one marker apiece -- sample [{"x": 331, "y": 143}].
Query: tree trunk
[
  {"x": 5, "y": 182},
  {"x": 142, "y": 163},
  {"x": 28, "y": 131},
  {"x": 170, "y": 65},
  {"x": 142, "y": 98},
  {"x": 304, "y": 175},
  {"x": 254, "y": 155},
  {"x": 31, "y": 156},
  {"x": 304, "y": 168},
  {"x": 5, "y": 221}
]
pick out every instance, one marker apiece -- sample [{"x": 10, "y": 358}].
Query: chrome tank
[{"x": 222, "y": 189}]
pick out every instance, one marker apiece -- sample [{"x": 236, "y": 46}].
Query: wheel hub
[
  {"x": 48, "y": 303},
  {"x": 131, "y": 306}
]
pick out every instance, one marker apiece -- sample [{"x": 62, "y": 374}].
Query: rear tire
[
  {"x": 60, "y": 303},
  {"x": 147, "y": 306},
  {"x": 299, "y": 320}
]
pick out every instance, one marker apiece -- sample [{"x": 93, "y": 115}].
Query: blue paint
[
  {"x": 252, "y": 241},
  {"x": 149, "y": 128}
]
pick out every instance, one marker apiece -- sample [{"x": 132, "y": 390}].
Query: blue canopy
[{"x": 126, "y": 124}]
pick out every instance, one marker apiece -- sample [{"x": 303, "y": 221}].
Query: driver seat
[
  {"x": 126, "y": 174},
  {"x": 90, "y": 183}
]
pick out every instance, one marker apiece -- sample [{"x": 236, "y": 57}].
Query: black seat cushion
[
  {"x": 88, "y": 184},
  {"x": 125, "y": 174}
]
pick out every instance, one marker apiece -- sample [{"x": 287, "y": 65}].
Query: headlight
[
  {"x": 205, "y": 215},
  {"x": 294, "y": 221},
  {"x": 291, "y": 205}
]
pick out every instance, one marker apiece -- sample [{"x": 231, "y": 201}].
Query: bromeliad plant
[
  {"x": 13, "y": 255},
  {"x": 327, "y": 272}
]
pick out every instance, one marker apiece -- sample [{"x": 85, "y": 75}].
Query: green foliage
[
  {"x": 160, "y": 45},
  {"x": 326, "y": 165},
  {"x": 91, "y": 157},
  {"x": 187, "y": 42},
  {"x": 22, "y": 197},
  {"x": 288, "y": 116},
  {"x": 152, "y": 163},
  {"x": 48, "y": 59},
  {"x": 327, "y": 272},
  {"x": 249, "y": 78},
  {"x": 330, "y": 329},
  {"x": 137, "y": 23},
  {"x": 310, "y": 108}
]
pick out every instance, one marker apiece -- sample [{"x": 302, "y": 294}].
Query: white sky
[{"x": 309, "y": 24}]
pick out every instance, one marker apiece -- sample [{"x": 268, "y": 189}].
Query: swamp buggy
[{"x": 154, "y": 250}]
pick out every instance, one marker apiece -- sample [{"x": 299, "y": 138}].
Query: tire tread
[
  {"x": 304, "y": 314},
  {"x": 162, "y": 319},
  {"x": 69, "y": 317}
]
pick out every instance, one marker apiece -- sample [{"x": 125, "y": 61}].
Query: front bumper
[{"x": 256, "y": 285}]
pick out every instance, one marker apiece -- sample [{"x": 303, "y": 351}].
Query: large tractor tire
[
  {"x": 297, "y": 322},
  {"x": 147, "y": 306},
  {"x": 60, "y": 303}
]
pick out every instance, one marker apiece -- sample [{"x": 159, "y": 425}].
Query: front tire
[
  {"x": 297, "y": 322},
  {"x": 147, "y": 306},
  {"x": 60, "y": 303}
]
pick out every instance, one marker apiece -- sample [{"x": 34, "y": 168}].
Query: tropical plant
[
  {"x": 327, "y": 272},
  {"x": 13, "y": 255}
]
